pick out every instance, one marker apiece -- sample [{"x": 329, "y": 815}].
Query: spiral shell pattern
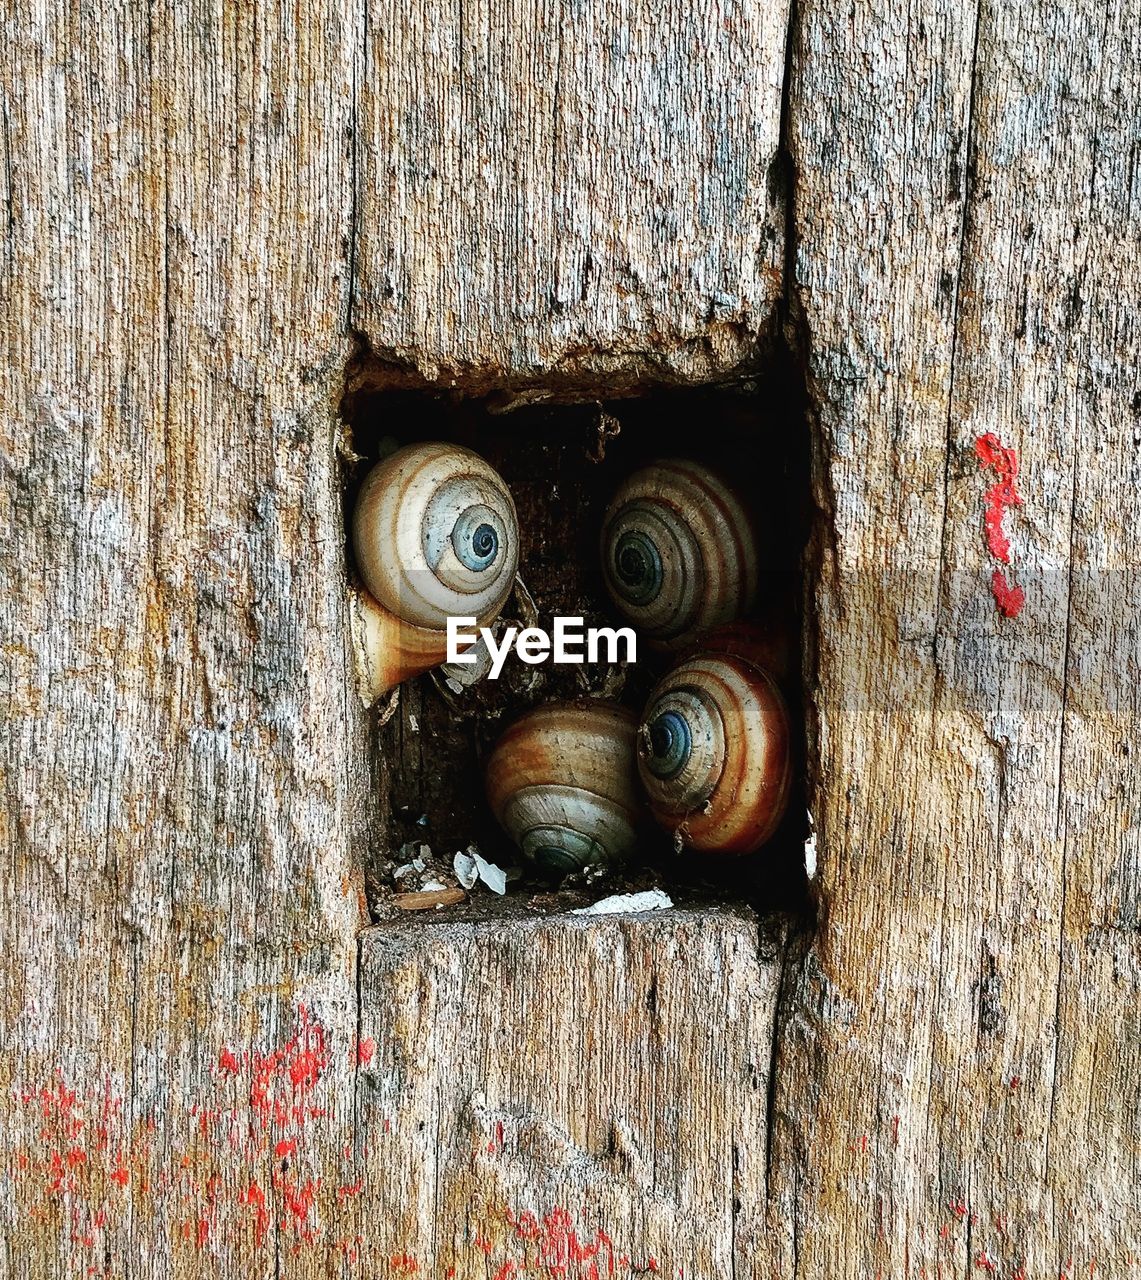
[
  {"x": 561, "y": 782},
  {"x": 679, "y": 551},
  {"x": 714, "y": 753},
  {"x": 436, "y": 536}
]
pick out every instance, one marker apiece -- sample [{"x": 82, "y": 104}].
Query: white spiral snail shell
[
  {"x": 679, "y": 551},
  {"x": 714, "y": 750},
  {"x": 561, "y": 782},
  {"x": 435, "y": 536}
]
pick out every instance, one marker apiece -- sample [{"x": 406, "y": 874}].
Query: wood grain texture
[
  {"x": 569, "y": 195},
  {"x": 959, "y": 1078},
  {"x": 176, "y": 801},
  {"x": 578, "y": 1092},
  {"x": 203, "y": 1071}
]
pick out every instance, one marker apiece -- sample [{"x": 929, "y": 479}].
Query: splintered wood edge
[{"x": 397, "y": 936}]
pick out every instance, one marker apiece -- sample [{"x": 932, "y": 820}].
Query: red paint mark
[
  {"x": 83, "y": 1165},
  {"x": 282, "y": 1082},
  {"x": 506, "y": 1270},
  {"x": 1015, "y": 1081},
  {"x": 254, "y": 1196},
  {"x": 405, "y": 1263},
  {"x": 895, "y": 1131},
  {"x": 959, "y": 1209},
  {"x": 985, "y": 1262},
  {"x": 365, "y": 1051},
  {"x": 1009, "y": 599},
  {"x": 496, "y": 1143},
  {"x": 298, "y": 1202},
  {"x": 1003, "y": 494},
  {"x": 864, "y": 1142}
]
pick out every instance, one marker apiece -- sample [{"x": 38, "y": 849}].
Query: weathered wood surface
[
  {"x": 958, "y": 1088},
  {"x": 595, "y": 1092},
  {"x": 177, "y": 797},
  {"x": 569, "y": 195},
  {"x": 203, "y": 205}
]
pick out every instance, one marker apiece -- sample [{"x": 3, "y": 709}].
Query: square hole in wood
[{"x": 563, "y": 464}]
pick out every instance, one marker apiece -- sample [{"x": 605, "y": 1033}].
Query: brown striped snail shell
[
  {"x": 435, "y": 536},
  {"x": 561, "y": 782},
  {"x": 714, "y": 748},
  {"x": 679, "y": 551}
]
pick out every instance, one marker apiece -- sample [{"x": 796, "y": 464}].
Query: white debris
[
  {"x": 465, "y": 674},
  {"x": 432, "y": 883},
  {"x": 407, "y": 869},
  {"x": 413, "y": 723},
  {"x": 649, "y": 900},
  {"x": 810, "y": 850},
  {"x": 467, "y": 873},
  {"x": 494, "y": 877}
]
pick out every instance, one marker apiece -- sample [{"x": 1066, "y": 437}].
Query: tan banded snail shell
[
  {"x": 436, "y": 536},
  {"x": 679, "y": 551},
  {"x": 561, "y": 782},
  {"x": 714, "y": 750}
]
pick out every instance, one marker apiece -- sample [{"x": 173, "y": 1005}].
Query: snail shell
[
  {"x": 679, "y": 551},
  {"x": 561, "y": 783},
  {"x": 714, "y": 749},
  {"x": 435, "y": 536}
]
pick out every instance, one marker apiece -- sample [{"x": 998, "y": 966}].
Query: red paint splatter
[
  {"x": 298, "y": 1202},
  {"x": 366, "y": 1049},
  {"x": 82, "y": 1162},
  {"x": 1015, "y": 1081},
  {"x": 282, "y": 1082},
  {"x": 1003, "y": 494},
  {"x": 985, "y": 1262},
  {"x": 254, "y": 1196},
  {"x": 959, "y": 1209},
  {"x": 1009, "y": 599},
  {"x": 496, "y": 1143}
]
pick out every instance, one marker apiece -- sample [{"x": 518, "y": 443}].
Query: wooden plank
[
  {"x": 582, "y": 196},
  {"x": 177, "y": 896},
  {"x": 958, "y": 1081},
  {"x": 575, "y": 1092}
]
